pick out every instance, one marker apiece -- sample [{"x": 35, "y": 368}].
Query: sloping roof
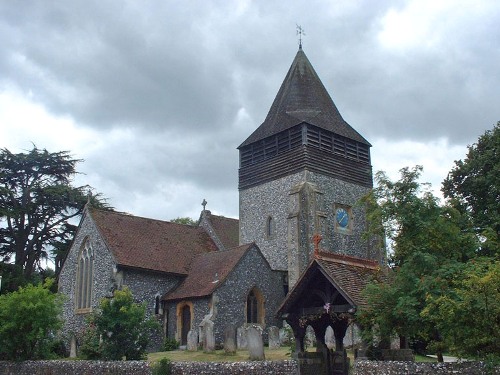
[
  {"x": 151, "y": 244},
  {"x": 347, "y": 274},
  {"x": 227, "y": 230},
  {"x": 303, "y": 98},
  {"x": 208, "y": 272}
]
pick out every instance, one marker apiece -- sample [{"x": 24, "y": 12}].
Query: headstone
[
  {"x": 72, "y": 350},
  {"x": 310, "y": 339},
  {"x": 255, "y": 344},
  {"x": 274, "y": 338},
  {"x": 241, "y": 338},
  {"x": 329, "y": 338},
  {"x": 208, "y": 336},
  {"x": 230, "y": 339},
  {"x": 286, "y": 334},
  {"x": 192, "y": 340}
]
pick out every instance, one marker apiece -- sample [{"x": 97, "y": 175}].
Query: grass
[
  {"x": 280, "y": 354},
  {"x": 217, "y": 356},
  {"x": 423, "y": 358}
]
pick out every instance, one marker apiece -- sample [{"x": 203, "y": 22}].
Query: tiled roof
[
  {"x": 151, "y": 244},
  {"x": 303, "y": 98},
  {"x": 227, "y": 230},
  {"x": 350, "y": 274},
  {"x": 208, "y": 271}
]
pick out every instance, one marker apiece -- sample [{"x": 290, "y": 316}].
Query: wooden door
[{"x": 186, "y": 324}]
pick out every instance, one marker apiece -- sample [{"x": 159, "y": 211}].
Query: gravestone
[
  {"x": 230, "y": 339},
  {"x": 241, "y": 338},
  {"x": 72, "y": 350},
  {"x": 274, "y": 338},
  {"x": 330, "y": 338},
  {"x": 255, "y": 344},
  {"x": 208, "y": 336},
  {"x": 192, "y": 340},
  {"x": 310, "y": 338}
]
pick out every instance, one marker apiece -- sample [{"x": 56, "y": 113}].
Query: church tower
[{"x": 301, "y": 173}]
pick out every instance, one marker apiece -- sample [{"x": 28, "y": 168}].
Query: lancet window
[{"x": 84, "y": 277}]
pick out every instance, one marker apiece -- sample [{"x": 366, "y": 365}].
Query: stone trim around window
[{"x": 84, "y": 278}]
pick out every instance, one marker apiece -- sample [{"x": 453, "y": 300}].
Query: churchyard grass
[
  {"x": 241, "y": 355},
  {"x": 217, "y": 356}
]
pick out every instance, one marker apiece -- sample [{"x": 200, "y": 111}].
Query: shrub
[
  {"x": 162, "y": 367},
  {"x": 29, "y": 320},
  {"x": 170, "y": 344}
]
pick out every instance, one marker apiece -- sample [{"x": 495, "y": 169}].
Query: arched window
[
  {"x": 157, "y": 304},
  {"x": 270, "y": 227},
  {"x": 255, "y": 307},
  {"x": 85, "y": 274}
]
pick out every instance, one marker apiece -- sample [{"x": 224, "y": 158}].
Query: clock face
[{"x": 342, "y": 217}]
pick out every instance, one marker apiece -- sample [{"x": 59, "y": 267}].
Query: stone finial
[{"x": 204, "y": 204}]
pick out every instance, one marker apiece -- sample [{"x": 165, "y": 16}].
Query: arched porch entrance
[{"x": 327, "y": 294}]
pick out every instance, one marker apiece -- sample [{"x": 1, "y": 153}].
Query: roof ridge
[
  {"x": 129, "y": 215},
  {"x": 347, "y": 259}
]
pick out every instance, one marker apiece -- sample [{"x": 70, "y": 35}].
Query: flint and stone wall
[
  {"x": 228, "y": 303},
  {"x": 298, "y": 213},
  {"x": 102, "y": 282},
  {"x": 219, "y": 368},
  {"x": 106, "y": 278}
]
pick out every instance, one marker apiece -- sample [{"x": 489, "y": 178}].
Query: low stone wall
[
  {"x": 75, "y": 368},
  {"x": 230, "y": 368},
  {"x": 142, "y": 368},
  {"x": 218, "y": 368},
  {"x": 419, "y": 368}
]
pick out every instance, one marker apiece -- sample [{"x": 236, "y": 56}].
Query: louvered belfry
[
  {"x": 304, "y": 130},
  {"x": 302, "y": 172}
]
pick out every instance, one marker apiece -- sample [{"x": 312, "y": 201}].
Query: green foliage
[
  {"x": 162, "y": 367},
  {"x": 37, "y": 203},
  {"x": 184, "y": 220},
  {"x": 122, "y": 327},
  {"x": 170, "y": 344},
  {"x": 468, "y": 314},
  {"x": 90, "y": 339},
  {"x": 473, "y": 186},
  {"x": 430, "y": 243},
  {"x": 29, "y": 320}
]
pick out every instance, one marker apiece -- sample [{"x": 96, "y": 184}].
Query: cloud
[{"x": 156, "y": 96}]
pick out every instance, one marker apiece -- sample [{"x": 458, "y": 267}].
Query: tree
[
  {"x": 29, "y": 320},
  {"x": 468, "y": 314},
  {"x": 428, "y": 243},
  {"x": 184, "y": 220},
  {"x": 122, "y": 326},
  {"x": 473, "y": 186},
  {"x": 37, "y": 203}
]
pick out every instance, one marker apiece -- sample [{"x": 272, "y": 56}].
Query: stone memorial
[
  {"x": 274, "y": 338},
  {"x": 208, "y": 336},
  {"x": 330, "y": 338},
  {"x": 192, "y": 341},
  {"x": 241, "y": 338},
  {"x": 230, "y": 339},
  {"x": 255, "y": 344}
]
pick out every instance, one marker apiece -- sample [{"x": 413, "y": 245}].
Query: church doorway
[{"x": 186, "y": 324}]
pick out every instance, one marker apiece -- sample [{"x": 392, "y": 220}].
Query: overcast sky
[{"x": 155, "y": 96}]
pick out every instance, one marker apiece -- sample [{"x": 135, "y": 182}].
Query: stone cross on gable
[
  {"x": 316, "y": 239},
  {"x": 204, "y": 203}
]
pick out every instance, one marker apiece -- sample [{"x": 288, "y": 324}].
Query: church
[{"x": 297, "y": 247}]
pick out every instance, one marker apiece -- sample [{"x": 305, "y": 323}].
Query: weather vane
[{"x": 300, "y": 33}]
